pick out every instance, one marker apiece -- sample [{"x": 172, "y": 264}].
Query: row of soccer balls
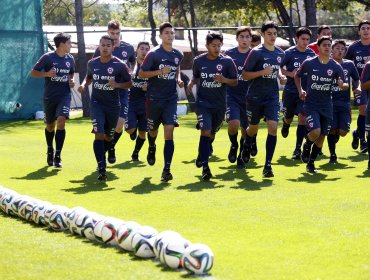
[{"x": 168, "y": 246}]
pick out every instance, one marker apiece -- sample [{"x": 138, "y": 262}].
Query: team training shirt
[
  {"x": 264, "y": 88},
  {"x": 342, "y": 98},
  {"x": 56, "y": 87},
  {"x": 240, "y": 91},
  {"x": 101, "y": 73},
  {"x": 136, "y": 92},
  {"x": 365, "y": 76},
  {"x": 212, "y": 94},
  {"x": 358, "y": 53},
  {"x": 162, "y": 87},
  {"x": 293, "y": 60},
  {"x": 320, "y": 79}
]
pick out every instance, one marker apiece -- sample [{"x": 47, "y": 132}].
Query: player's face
[
  {"x": 339, "y": 51},
  {"x": 105, "y": 47},
  {"x": 364, "y": 31},
  {"x": 142, "y": 51},
  {"x": 67, "y": 46},
  {"x": 325, "y": 47},
  {"x": 303, "y": 41},
  {"x": 115, "y": 34},
  {"x": 244, "y": 39},
  {"x": 214, "y": 48},
  {"x": 324, "y": 32},
  {"x": 167, "y": 35},
  {"x": 270, "y": 36}
]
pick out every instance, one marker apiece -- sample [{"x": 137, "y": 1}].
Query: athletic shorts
[
  {"x": 341, "y": 118},
  {"x": 292, "y": 105},
  {"x": 136, "y": 117},
  {"x": 257, "y": 111},
  {"x": 236, "y": 110},
  {"x": 161, "y": 112},
  {"x": 104, "y": 118},
  {"x": 124, "y": 107},
  {"x": 316, "y": 120},
  {"x": 56, "y": 108},
  {"x": 210, "y": 118},
  {"x": 361, "y": 99}
]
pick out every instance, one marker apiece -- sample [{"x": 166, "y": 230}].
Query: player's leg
[
  {"x": 205, "y": 124},
  {"x": 154, "y": 113},
  {"x": 359, "y": 134},
  {"x": 332, "y": 136},
  {"x": 233, "y": 122},
  {"x": 117, "y": 135},
  {"x": 314, "y": 127},
  {"x": 243, "y": 130},
  {"x": 301, "y": 134},
  {"x": 367, "y": 127},
  {"x": 140, "y": 139},
  {"x": 50, "y": 113},
  {"x": 254, "y": 113},
  {"x": 289, "y": 106},
  {"x": 62, "y": 111}
]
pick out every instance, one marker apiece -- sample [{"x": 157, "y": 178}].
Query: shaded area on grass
[
  {"x": 40, "y": 174},
  {"x": 313, "y": 178},
  {"x": 145, "y": 187},
  {"x": 91, "y": 184},
  {"x": 128, "y": 165},
  {"x": 288, "y": 162}
]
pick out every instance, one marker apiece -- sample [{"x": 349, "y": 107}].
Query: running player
[
  {"x": 57, "y": 67},
  {"x": 136, "y": 118},
  {"x": 212, "y": 72},
  {"x": 161, "y": 67},
  {"x": 292, "y": 104},
  {"x": 323, "y": 30},
  {"x": 365, "y": 85},
  {"x": 108, "y": 74},
  {"x": 359, "y": 53},
  {"x": 125, "y": 52},
  {"x": 236, "y": 111},
  {"x": 322, "y": 72},
  {"x": 262, "y": 68}
]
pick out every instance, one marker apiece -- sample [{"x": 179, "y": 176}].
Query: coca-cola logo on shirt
[
  {"x": 124, "y": 53},
  {"x": 330, "y": 72},
  {"x": 219, "y": 67},
  {"x": 110, "y": 70}
]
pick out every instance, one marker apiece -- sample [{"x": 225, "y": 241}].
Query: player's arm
[
  {"x": 87, "y": 81},
  {"x": 195, "y": 80},
  {"x": 342, "y": 85},
  {"x": 37, "y": 72},
  {"x": 231, "y": 78},
  {"x": 298, "y": 84},
  {"x": 180, "y": 82},
  {"x": 146, "y": 72},
  {"x": 365, "y": 77},
  {"x": 124, "y": 79},
  {"x": 287, "y": 73},
  {"x": 250, "y": 63}
]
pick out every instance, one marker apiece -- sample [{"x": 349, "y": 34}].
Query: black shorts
[
  {"x": 161, "y": 112},
  {"x": 210, "y": 118},
  {"x": 104, "y": 118},
  {"x": 55, "y": 108}
]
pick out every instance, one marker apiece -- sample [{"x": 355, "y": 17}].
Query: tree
[{"x": 152, "y": 23}]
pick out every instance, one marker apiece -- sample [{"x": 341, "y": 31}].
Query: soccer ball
[
  {"x": 38, "y": 212},
  {"x": 161, "y": 238},
  {"x": 198, "y": 258},
  {"x": 58, "y": 218},
  {"x": 143, "y": 242},
  {"x": 28, "y": 208},
  {"x": 173, "y": 251},
  {"x": 109, "y": 229},
  {"x": 73, "y": 215},
  {"x": 7, "y": 201},
  {"x": 23, "y": 207},
  {"x": 124, "y": 234},
  {"x": 88, "y": 228}
]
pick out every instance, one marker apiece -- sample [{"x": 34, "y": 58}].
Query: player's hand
[
  {"x": 219, "y": 78},
  {"x": 113, "y": 83},
  {"x": 340, "y": 82},
  {"x": 145, "y": 87},
  {"x": 282, "y": 79},
  {"x": 267, "y": 71},
  {"x": 189, "y": 88},
  {"x": 165, "y": 70},
  {"x": 357, "y": 92},
  {"x": 81, "y": 89},
  {"x": 302, "y": 95},
  {"x": 71, "y": 83},
  {"x": 51, "y": 73},
  {"x": 180, "y": 83}
]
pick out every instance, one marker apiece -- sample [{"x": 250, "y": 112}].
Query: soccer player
[
  {"x": 341, "y": 99},
  {"x": 292, "y": 104},
  {"x": 322, "y": 72},
  {"x": 365, "y": 86},
  {"x": 57, "y": 67},
  {"x": 256, "y": 39},
  {"x": 213, "y": 72},
  {"x": 236, "y": 110},
  {"x": 108, "y": 74},
  {"x": 161, "y": 67},
  {"x": 359, "y": 53},
  {"x": 262, "y": 69},
  {"x": 323, "y": 30},
  {"x": 125, "y": 52},
  {"x": 136, "y": 117}
]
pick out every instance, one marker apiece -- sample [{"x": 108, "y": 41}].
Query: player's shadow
[
  {"x": 210, "y": 159},
  {"x": 365, "y": 174},
  {"x": 334, "y": 166},
  {"x": 313, "y": 178},
  {"x": 145, "y": 187},
  {"x": 358, "y": 157},
  {"x": 283, "y": 160},
  {"x": 91, "y": 184},
  {"x": 201, "y": 185},
  {"x": 128, "y": 165},
  {"x": 40, "y": 174}
]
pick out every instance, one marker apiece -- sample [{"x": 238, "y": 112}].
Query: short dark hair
[
  {"x": 363, "y": 22},
  {"x": 142, "y": 43},
  {"x": 303, "y": 30},
  {"x": 256, "y": 37},
  {"x": 322, "y": 27},
  {"x": 114, "y": 24},
  {"x": 243, "y": 29},
  {"x": 339, "y": 41},
  {"x": 214, "y": 35},
  {"x": 61, "y": 38},
  {"x": 323, "y": 38},
  {"x": 269, "y": 24},
  {"x": 164, "y": 25},
  {"x": 106, "y": 37}
]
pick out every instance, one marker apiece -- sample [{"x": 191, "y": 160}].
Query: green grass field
[{"x": 294, "y": 226}]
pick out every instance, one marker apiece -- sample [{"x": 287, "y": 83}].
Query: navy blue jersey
[
  {"x": 212, "y": 94},
  {"x": 365, "y": 76},
  {"x": 136, "y": 93},
  {"x": 342, "y": 98},
  {"x": 101, "y": 73},
  {"x": 58, "y": 86},
  {"x": 124, "y": 52},
  {"x": 162, "y": 87},
  {"x": 320, "y": 80},
  {"x": 264, "y": 88},
  {"x": 240, "y": 91},
  {"x": 358, "y": 53},
  {"x": 293, "y": 60}
]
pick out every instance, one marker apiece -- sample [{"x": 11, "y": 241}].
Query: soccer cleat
[
  {"x": 285, "y": 130},
  {"x": 111, "y": 155},
  {"x": 254, "y": 149},
  {"x": 50, "y": 157},
  {"x": 246, "y": 154},
  {"x": 102, "y": 174},
  {"x": 57, "y": 161},
  {"x": 133, "y": 135},
  {"x": 310, "y": 167},
  {"x": 206, "y": 174},
  {"x": 267, "y": 172},
  {"x": 333, "y": 158},
  {"x": 305, "y": 156},
  {"x": 355, "y": 140},
  {"x": 198, "y": 161},
  {"x": 151, "y": 155},
  {"x": 297, "y": 154},
  {"x": 135, "y": 156},
  {"x": 240, "y": 163},
  {"x": 166, "y": 176},
  {"x": 363, "y": 147},
  {"x": 232, "y": 153}
]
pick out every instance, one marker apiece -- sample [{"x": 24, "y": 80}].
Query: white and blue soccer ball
[
  {"x": 28, "y": 208},
  {"x": 58, "y": 218},
  {"x": 7, "y": 201},
  {"x": 38, "y": 212},
  {"x": 124, "y": 234},
  {"x": 23, "y": 208},
  {"x": 161, "y": 239},
  {"x": 198, "y": 259},
  {"x": 143, "y": 242},
  {"x": 109, "y": 230},
  {"x": 173, "y": 251},
  {"x": 87, "y": 229},
  {"x": 73, "y": 215}
]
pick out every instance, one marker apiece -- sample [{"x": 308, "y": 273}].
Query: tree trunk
[
  {"x": 152, "y": 23},
  {"x": 193, "y": 24},
  {"x": 183, "y": 13},
  {"x": 81, "y": 57},
  {"x": 310, "y": 6},
  {"x": 285, "y": 18},
  {"x": 298, "y": 13}
]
